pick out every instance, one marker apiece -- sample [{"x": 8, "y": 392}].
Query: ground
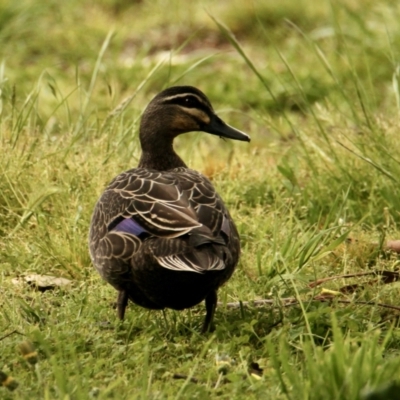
[{"x": 314, "y": 195}]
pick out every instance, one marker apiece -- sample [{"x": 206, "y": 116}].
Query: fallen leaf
[
  {"x": 393, "y": 245},
  {"x": 42, "y": 282}
]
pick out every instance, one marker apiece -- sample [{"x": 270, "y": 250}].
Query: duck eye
[{"x": 190, "y": 101}]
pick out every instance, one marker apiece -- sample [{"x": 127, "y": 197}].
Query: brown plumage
[{"x": 160, "y": 234}]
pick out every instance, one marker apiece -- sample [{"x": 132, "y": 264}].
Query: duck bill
[{"x": 220, "y": 128}]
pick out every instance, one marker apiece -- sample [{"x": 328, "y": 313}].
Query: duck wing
[
  {"x": 155, "y": 201},
  {"x": 175, "y": 215}
]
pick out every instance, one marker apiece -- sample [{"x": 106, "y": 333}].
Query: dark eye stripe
[
  {"x": 188, "y": 100},
  {"x": 183, "y": 95}
]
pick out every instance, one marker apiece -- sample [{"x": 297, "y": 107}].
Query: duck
[{"x": 160, "y": 234}]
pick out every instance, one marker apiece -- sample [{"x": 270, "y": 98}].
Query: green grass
[{"x": 317, "y": 87}]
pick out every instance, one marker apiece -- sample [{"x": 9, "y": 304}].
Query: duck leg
[
  {"x": 211, "y": 304},
  {"x": 122, "y": 302}
]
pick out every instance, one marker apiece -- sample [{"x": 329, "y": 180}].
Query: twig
[
  {"x": 11, "y": 333},
  {"x": 237, "y": 304},
  {"x": 392, "y": 274},
  {"x": 290, "y": 301},
  {"x": 368, "y": 303}
]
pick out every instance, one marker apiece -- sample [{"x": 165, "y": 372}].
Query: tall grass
[{"x": 314, "y": 194}]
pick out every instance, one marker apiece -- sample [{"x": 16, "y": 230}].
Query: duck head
[{"x": 178, "y": 110}]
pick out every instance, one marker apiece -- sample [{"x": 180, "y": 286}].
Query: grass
[{"x": 317, "y": 88}]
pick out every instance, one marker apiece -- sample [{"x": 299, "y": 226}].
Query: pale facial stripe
[
  {"x": 196, "y": 113},
  {"x": 182, "y": 95}
]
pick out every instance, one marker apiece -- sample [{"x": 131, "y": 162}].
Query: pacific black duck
[{"x": 160, "y": 234}]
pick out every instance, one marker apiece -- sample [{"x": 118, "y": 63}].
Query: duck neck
[{"x": 161, "y": 157}]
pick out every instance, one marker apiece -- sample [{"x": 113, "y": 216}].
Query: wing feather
[{"x": 164, "y": 205}]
